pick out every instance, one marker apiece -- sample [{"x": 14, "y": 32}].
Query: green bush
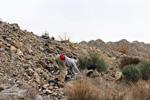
[
  {"x": 83, "y": 62},
  {"x": 129, "y": 61},
  {"x": 145, "y": 69},
  {"x": 101, "y": 65},
  {"x": 94, "y": 58},
  {"x": 131, "y": 73}
]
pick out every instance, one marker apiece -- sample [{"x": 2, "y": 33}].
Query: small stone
[
  {"x": 118, "y": 75},
  {"x": 38, "y": 97},
  {"x": 1, "y": 88},
  {"x": 13, "y": 48},
  {"x": 2, "y": 45},
  {"x": 30, "y": 51},
  {"x": 47, "y": 92},
  {"x": 46, "y": 85},
  {"x": 40, "y": 48},
  {"x": 52, "y": 38},
  {"x": 15, "y": 27},
  {"x": 19, "y": 52},
  {"x": 55, "y": 98},
  {"x": 1, "y": 74},
  {"x": 37, "y": 77},
  {"x": 30, "y": 71},
  {"x": 50, "y": 88},
  {"x": 2, "y": 50},
  {"x": 55, "y": 87},
  {"x": 14, "y": 74},
  {"x": 61, "y": 85},
  {"x": 55, "y": 93}
]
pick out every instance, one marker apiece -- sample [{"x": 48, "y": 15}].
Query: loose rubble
[{"x": 27, "y": 63}]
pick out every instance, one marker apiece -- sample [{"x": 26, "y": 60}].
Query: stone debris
[{"x": 29, "y": 60}]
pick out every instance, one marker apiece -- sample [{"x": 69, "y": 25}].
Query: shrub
[
  {"x": 94, "y": 58},
  {"x": 122, "y": 48},
  {"x": 145, "y": 70},
  {"x": 81, "y": 90},
  {"x": 131, "y": 73},
  {"x": 129, "y": 61},
  {"x": 84, "y": 62},
  {"x": 101, "y": 65},
  {"x": 64, "y": 37}
]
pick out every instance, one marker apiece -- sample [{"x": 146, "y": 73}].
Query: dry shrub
[
  {"x": 113, "y": 96},
  {"x": 94, "y": 89},
  {"x": 129, "y": 61},
  {"x": 71, "y": 44},
  {"x": 122, "y": 48},
  {"x": 81, "y": 90},
  {"x": 141, "y": 91}
]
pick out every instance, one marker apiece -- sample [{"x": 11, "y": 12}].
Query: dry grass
[
  {"x": 122, "y": 48},
  {"x": 129, "y": 61},
  {"x": 81, "y": 90},
  {"x": 99, "y": 89},
  {"x": 141, "y": 91},
  {"x": 93, "y": 89}
]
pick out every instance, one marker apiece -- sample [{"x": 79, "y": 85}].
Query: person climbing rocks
[
  {"x": 64, "y": 62},
  {"x": 92, "y": 66},
  {"x": 92, "y": 71}
]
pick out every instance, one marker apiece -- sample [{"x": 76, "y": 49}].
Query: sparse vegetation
[
  {"x": 64, "y": 37},
  {"x": 94, "y": 58},
  {"x": 131, "y": 73},
  {"x": 81, "y": 90},
  {"x": 122, "y": 48},
  {"x": 101, "y": 65},
  {"x": 140, "y": 91},
  {"x": 83, "y": 62},
  {"x": 145, "y": 70},
  {"x": 129, "y": 61}
]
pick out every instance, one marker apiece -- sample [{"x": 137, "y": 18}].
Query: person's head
[{"x": 62, "y": 57}]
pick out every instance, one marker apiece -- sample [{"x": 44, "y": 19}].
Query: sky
[{"x": 109, "y": 20}]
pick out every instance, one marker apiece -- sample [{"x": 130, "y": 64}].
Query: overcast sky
[{"x": 109, "y": 20}]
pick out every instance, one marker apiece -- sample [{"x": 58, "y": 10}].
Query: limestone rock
[{"x": 37, "y": 77}]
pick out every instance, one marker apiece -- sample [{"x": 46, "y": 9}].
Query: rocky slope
[
  {"x": 27, "y": 64},
  {"x": 28, "y": 60}
]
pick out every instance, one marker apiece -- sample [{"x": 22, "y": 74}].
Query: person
[
  {"x": 92, "y": 72},
  {"x": 64, "y": 62},
  {"x": 92, "y": 66}
]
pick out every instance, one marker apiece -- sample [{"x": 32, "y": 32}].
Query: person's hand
[{"x": 81, "y": 76}]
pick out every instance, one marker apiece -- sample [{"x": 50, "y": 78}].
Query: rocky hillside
[
  {"x": 27, "y": 64},
  {"x": 28, "y": 60},
  {"x": 99, "y": 44},
  {"x": 135, "y": 48}
]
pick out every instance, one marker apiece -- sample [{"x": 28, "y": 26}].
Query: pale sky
[{"x": 109, "y": 20}]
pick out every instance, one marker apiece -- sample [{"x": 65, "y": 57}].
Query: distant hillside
[
  {"x": 99, "y": 44},
  {"x": 135, "y": 48}
]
